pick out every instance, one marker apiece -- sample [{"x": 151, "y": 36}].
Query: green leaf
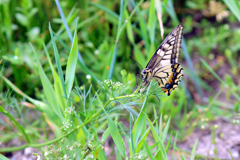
[
  {"x": 193, "y": 150},
  {"x": 105, "y": 134},
  {"x": 148, "y": 150},
  {"x": 129, "y": 28},
  {"x": 116, "y": 136},
  {"x": 71, "y": 63},
  {"x": 165, "y": 131},
  {"x": 141, "y": 141},
  {"x": 48, "y": 90},
  {"x": 105, "y": 9},
  {"x": 22, "y": 19},
  {"x": 57, "y": 83},
  {"x": 234, "y": 6},
  {"x": 152, "y": 21},
  {"x": 169, "y": 141},
  {"x": 2, "y": 157},
  {"x": 57, "y": 59},
  {"x": 174, "y": 145},
  {"x": 139, "y": 56},
  {"x": 139, "y": 123},
  {"x": 161, "y": 148}
]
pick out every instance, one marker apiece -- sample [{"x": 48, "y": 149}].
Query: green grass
[{"x": 68, "y": 78}]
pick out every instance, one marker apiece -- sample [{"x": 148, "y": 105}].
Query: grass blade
[
  {"x": 57, "y": 83},
  {"x": 234, "y": 6},
  {"x": 48, "y": 90},
  {"x": 117, "y": 138},
  {"x": 148, "y": 150},
  {"x": 165, "y": 131},
  {"x": 193, "y": 150},
  {"x": 152, "y": 21},
  {"x": 57, "y": 59},
  {"x": 174, "y": 146},
  {"x": 71, "y": 63},
  {"x": 138, "y": 125},
  {"x": 105, "y": 9},
  {"x": 67, "y": 28},
  {"x": 2, "y": 157}
]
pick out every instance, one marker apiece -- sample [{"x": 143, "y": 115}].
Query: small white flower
[
  {"x": 91, "y": 156},
  {"x": 46, "y": 154},
  {"x": 15, "y": 57},
  {"x": 65, "y": 156},
  {"x": 66, "y": 125},
  {"x": 88, "y": 76},
  {"x": 96, "y": 52}
]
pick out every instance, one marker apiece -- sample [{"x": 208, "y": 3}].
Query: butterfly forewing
[{"x": 168, "y": 52}]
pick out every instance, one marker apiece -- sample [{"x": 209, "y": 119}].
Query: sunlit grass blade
[
  {"x": 57, "y": 83},
  {"x": 131, "y": 135},
  {"x": 148, "y": 150},
  {"x": 161, "y": 152},
  {"x": 105, "y": 10},
  {"x": 141, "y": 141},
  {"x": 117, "y": 138},
  {"x": 169, "y": 141},
  {"x": 114, "y": 132},
  {"x": 67, "y": 28},
  {"x": 121, "y": 27},
  {"x": 194, "y": 150},
  {"x": 143, "y": 27},
  {"x": 129, "y": 28},
  {"x": 234, "y": 6},
  {"x": 2, "y": 157},
  {"x": 57, "y": 59},
  {"x": 63, "y": 44},
  {"x": 165, "y": 131},
  {"x": 174, "y": 146},
  {"x": 138, "y": 125},
  {"x": 139, "y": 56},
  {"x": 71, "y": 63},
  {"x": 230, "y": 153},
  {"x": 152, "y": 21},
  {"x": 158, "y": 7},
  {"x": 160, "y": 125},
  {"x": 105, "y": 134},
  {"x": 48, "y": 90},
  {"x": 114, "y": 53}
]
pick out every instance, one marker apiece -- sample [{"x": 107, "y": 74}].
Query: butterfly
[{"x": 164, "y": 66}]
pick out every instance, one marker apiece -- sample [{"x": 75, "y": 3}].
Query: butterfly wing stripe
[{"x": 159, "y": 78}]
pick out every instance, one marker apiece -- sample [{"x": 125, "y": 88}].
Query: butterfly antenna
[{"x": 136, "y": 62}]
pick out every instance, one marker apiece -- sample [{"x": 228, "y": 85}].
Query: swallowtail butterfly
[{"x": 164, "y": 66}]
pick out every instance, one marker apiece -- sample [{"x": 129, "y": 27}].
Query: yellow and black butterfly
[{"x": 163, "y": 66}]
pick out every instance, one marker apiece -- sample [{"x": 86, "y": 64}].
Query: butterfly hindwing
[{"x": 168, "y": 77}]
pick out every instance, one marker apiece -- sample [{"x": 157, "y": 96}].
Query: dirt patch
[{"x": 227, "y": 137}]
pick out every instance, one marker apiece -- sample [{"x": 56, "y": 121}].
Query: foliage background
[{"x": 210, "y": 58}]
